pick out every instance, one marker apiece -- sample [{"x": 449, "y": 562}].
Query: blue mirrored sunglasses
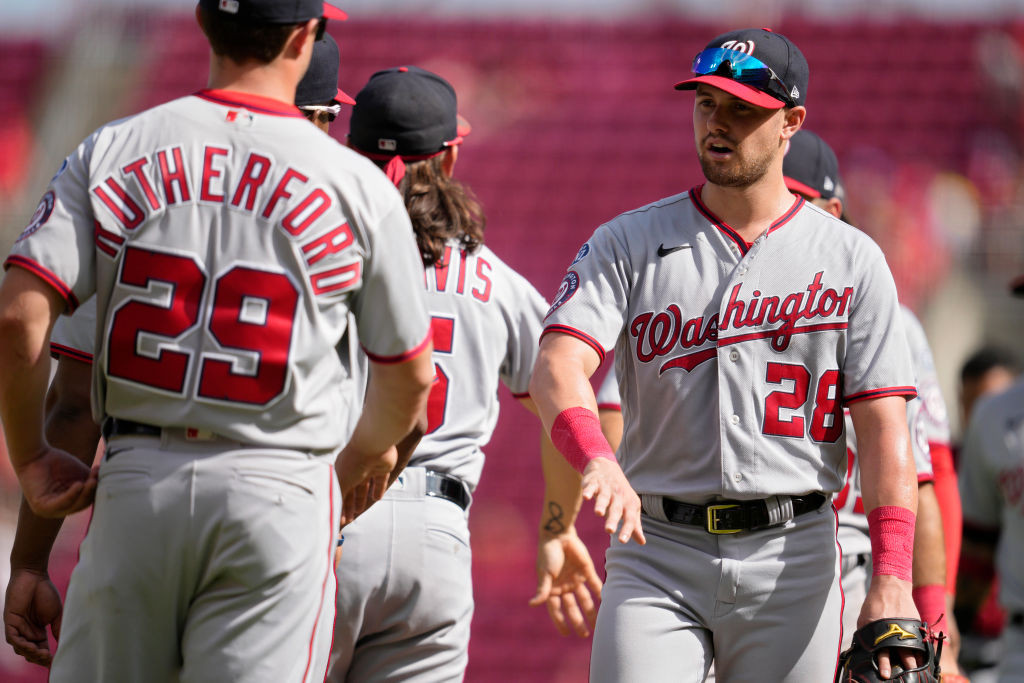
[{"x": 743, "y": 68}]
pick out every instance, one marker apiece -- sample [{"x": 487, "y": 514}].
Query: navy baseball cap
[
  {"x": 406, "y": 111},
  {"x": 320, "y": 84},
  {"x": 755, "y": 64},
  {"x": 811, "y": 168},
  {"x": 274, "y": 11},
  {"x": 1017, "y": 286}
]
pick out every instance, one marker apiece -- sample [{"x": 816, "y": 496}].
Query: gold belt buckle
[{"x": 712, "y": 514}]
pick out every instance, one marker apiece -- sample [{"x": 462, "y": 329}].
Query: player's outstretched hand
[
  {"x": 614, "y": 499},
  {"x": 890, "y": 597},
  {"x": 363, "y": 479},
  {"x": 32, "y": 604},
  {"x": 567, "y": 583},
  {"x": 56, "y": 483}
]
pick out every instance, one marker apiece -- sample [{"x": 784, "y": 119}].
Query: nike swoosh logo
[{"x": 665, "y": 251}]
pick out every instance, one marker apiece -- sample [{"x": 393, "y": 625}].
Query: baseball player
[
  {"x": 992, "y": 491},
  {"x": 743, "y": 320},
  {"x": 811, "y": 170},
  {"x": 32, "y": 599},
  {"x": 406, "y": 581},
  {"x": 226, "y": 241}
]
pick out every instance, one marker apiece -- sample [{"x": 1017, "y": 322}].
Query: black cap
[
  {"x": 774, "y": 50},
  {"x": 273, "y": 11},
  {"x": 320, "y": 84},
  {"x": 406, "y": 111},
  {"x": 811, "y": 168}
]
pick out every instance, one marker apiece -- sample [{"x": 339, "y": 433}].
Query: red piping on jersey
[
  {"x": 924, "y": 478},
  {"x": 47, "y": 276},
  {"x": 842, "y": 594},
  {"x": 731, "y": 232},
  {"x": 402, "y": 357},
  {"x": 906, "y": 392},
  {"x": 254, "y": 103},
  {"x": 61, "y": 350},
  {"x": 582, "y": 336},
  {"x": 610, "y": 406},
  {"x": 327, "y": 575},
  {"x": 803, "y": 329}
]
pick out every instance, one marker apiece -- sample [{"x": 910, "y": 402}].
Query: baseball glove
[{"x": 859, "y": 664}]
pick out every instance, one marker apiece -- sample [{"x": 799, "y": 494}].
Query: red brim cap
[
  {"x": 740, "y": 90},
  {"x": 462, "y": 129},
  {"x": 1017, "y": 286},
  {"x": 344, "y": 97},
  {"x": 332, "y": 12},
  {"x": 796, "y": 186}
]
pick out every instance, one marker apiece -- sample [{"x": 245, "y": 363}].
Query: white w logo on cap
[{"x": 746, "y": 47}]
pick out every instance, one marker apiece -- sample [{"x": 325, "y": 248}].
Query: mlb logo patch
[
  {"x": 229, "y": 6},
  {"x": 386, "y": 145}
]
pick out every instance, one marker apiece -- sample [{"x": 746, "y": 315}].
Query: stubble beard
[{"x": 738, "y": 174}]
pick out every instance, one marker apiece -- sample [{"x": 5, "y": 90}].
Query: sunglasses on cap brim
[{"x": 742, "y": 68}]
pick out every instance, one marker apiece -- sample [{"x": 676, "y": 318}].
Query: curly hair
[{"x": 440, "y": 208}]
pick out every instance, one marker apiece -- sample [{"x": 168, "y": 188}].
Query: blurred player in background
[
  {"x": 989, "y": 370},
  {"x": 992, "y": 488},
  {"x": 722, "y": 304},
  {"x": 32, "y": 601},
  {"x": 811, "y": 170},
  {"x": 225, "y": 247},
  {"x": 405, "y": 582}
]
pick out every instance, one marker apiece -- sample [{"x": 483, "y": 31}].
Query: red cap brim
[
  {"x": 344, "y": 97},
  {"x": 797, "y": 186},
  {"x": 740, "y": 90},
  {"x": 332, "y": 12},
  {"x": 1017, "y": 286}
]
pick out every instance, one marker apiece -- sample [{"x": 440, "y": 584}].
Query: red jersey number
[
  {"x": 443, "y": 330},
  {"x": 826, "y": 403},
  {"x": 252, "y": 320}
]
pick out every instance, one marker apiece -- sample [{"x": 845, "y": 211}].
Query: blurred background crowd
[{"x": 574, "y": 121}]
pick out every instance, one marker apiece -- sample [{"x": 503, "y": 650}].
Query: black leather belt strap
[
  {"x": 440, "y": 485},
  {"x": 729, "y": 517},
  {"x": 114, "y": 426}
]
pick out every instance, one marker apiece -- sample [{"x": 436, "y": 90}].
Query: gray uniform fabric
[
  {"x": 729, "y": 359},
  {"x": 405, "y": 574}
]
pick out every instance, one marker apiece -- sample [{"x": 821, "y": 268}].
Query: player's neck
[
  {"x": 750, "y": 210},
  {"x": 273, "y": 80}
]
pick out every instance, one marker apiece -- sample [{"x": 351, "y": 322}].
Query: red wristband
[
  {"x": 576, "y": 433},
  {"x": 891, "y": 529},
  {"x": 931, "y": 603}
]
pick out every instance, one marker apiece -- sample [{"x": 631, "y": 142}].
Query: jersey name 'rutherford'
[{"x": 747, "y": 353}]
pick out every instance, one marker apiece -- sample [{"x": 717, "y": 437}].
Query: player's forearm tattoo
[{"x": 554, "y": 523}]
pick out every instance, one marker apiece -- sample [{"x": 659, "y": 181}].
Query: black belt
[
  {"x": 1017, "y": 619},
  {"x": 114, "y": 426},
  {"x": 730, "y": 517},
  {"x": 440, "y": 485}
]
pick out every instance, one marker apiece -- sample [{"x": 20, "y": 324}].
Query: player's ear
[
  {"x": 834, "y": 206},
  {"x": 448, "y": 160},
  {"x": 302, "y": 38},
  {"x": 793, "y": 118}
]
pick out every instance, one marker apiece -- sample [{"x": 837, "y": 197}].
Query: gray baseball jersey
[
  {"x": 608, "y": 393},
  {"x": 992, "y": 484},
  {"x": 734, "y": 361},
  {"x": 227, "y": 242},
  {"x": 740, "y": 349},
  {"x": 853, "y": 523},
  {"x": 407, "y": 584},
  {"x": 334, "y": 237}
]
